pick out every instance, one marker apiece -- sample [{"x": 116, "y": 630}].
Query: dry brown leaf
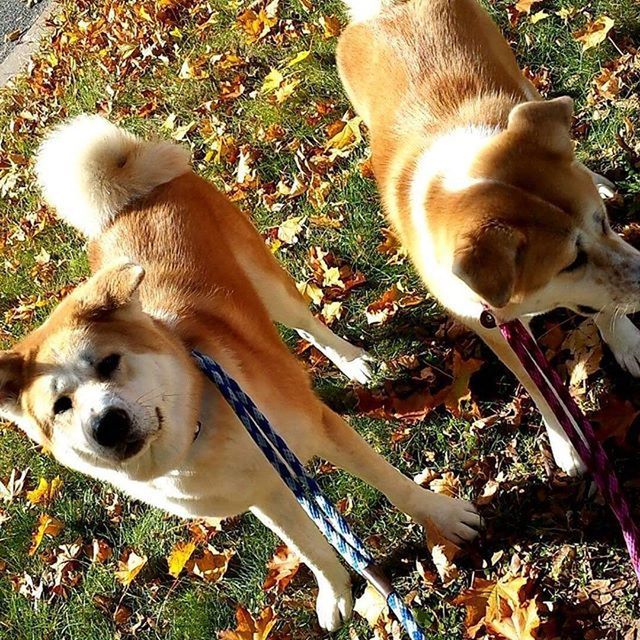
[
  {"x": 130, "y": 567},
  {"x": 47, "y": 526},
  {"x": 250, "y": 628},
  {"x": 443, "y": 553},
  {"x": 614, "y": 419},
  {"x": 458, "y": 392},
  {"x": 585, "y": 346},
  {"x": 594, "y": 33},
  {"x": 99, "y": 551},
  {"x": 371, "y": 605},
  {"x": 179, "y": 556},
  {"x": 282, "y": 568},
  {"x": 256, "y": 25},
  {"x": 331, "y": 26},
  {"x": 211, "y": 565}
]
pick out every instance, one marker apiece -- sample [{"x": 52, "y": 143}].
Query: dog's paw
[
  {"x": 623, "y": 338},
  {"x": 457, "y": 520},
  {"x": 565, "y": 455},
  {"x": 356, "y": 366},
  {"x": 334, "y": 604}
]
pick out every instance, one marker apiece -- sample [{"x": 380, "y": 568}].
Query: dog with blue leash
[{"x": 108, "y": 383}]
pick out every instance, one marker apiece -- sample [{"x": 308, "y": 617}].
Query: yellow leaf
[
  {"x": 45, "y": 492},
  {"x": 285, "y": 90},
  {"x": 310, "y": 292},
  {"x": 303, "y": 55},
  {"x": 332, "y": 311},
  {"x": 347, "y": 138},
  {"x": 179, "y": 556},
  {"x": 272, "y": 81},
  {"x": 47, "y": 525},
  {"x": 290, "y": 229},
  {"x": 594, "y": 33},
  {"x": 130, "y": 568},
  {"x": 524, "y": 6},
  {"x": 539, "y": 16},
  {"x": 331, "y": 278}
]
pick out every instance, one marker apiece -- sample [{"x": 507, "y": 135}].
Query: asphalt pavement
[{"x": 16, "y": 16}]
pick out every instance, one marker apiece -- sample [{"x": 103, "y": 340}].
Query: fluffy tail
[
  {"x": 361, "y": 10},
  {"x": 89, "y": 170}
]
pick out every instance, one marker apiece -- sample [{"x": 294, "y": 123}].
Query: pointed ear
[
  {"x": 487, "y": 262},
  {"x": 11, "y": 382},
  {"x": 110, "y": 289},
  {"x": 547, "y": 121}
]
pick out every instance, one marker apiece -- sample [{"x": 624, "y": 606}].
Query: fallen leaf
[
  {"x": 371, "y": 605},
  {"x": 443, "y": 553},
  {"x": 524, "y": 6},
  {"x": 614, "y": 419},
  {"x": 250, "y": 628},
  {"x": 179, "y": 556},
  {"x": 303, "y": 55},
  {"x": 585, "y": 346},
  {"x": 47, "y": 526},
  {"x": 212, "y": 565},
  {"x": 282, "y": 568},
  {"x": 130, "y": 567},
  {"x": 594, "y": 33},
  {"x": 346, "y": 139},
  {"x": 272, "y": 81},
  {"x": 458, "y": 392},
  {"x": 45, "y": 492}
]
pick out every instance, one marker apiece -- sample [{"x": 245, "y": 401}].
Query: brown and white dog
[
  {"x": 478, "y": 176},
  {"x": 108, "y": 386}
]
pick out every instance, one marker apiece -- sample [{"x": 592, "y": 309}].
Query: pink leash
[{"x": 577, "y": 427}]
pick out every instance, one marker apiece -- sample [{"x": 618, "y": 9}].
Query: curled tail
[
  {"x": 361, "y": 10},
  {"x": 89, "y": 170}
]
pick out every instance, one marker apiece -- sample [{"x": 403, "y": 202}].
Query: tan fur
[
  {"x": 177, "y": 269},
  {"x": 478, "y": 175}
]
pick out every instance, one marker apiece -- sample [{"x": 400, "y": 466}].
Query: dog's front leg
[
  {"x": 457, "y": 520},
  {"x": 564, "y": 453},
  {"x": 623, "y": 338},
  {"x": 286, "y": 518}
]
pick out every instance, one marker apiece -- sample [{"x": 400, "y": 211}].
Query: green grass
[{"x": 533, "y": 515}]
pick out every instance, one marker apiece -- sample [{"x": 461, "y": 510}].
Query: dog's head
[
  {"x": 103, "y": 386},
  {"x": 529, "y": 232}
]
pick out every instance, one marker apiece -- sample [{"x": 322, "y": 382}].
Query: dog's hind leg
[
  {"x": 623, "y": 338},
  {"x": 456, "y": 520},
  {"x": 286, "y": 518},
  {"x": 286, "y": 305}
]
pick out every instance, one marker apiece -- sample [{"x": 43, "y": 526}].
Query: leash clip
[{"x": 488, "y": 320}]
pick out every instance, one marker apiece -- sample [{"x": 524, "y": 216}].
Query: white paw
[
  {"x": 623, "y": 338},
  {"x": 565, "y": 455},
  {"x": 358, "y": 368},
  {"x": 334, "y": 604},
  {"x": 457, "y": 520}
]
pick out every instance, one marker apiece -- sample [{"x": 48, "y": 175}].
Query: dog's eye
[
  {"x": 62, "y": 404},
  {"x": 108, "y": 365},
  {"x": 581, "y": 259}
]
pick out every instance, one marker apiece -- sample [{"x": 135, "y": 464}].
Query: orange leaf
[
  {"x": 459, "y": 391},
  {"x": 211, "y": 565},
  {"x": 250, "y": 628},
  {"x": 47, "y": 525},
  {"x": 282, "y": 568}
]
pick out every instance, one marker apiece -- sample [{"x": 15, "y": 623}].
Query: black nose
[{"x": 111, "y": 428}]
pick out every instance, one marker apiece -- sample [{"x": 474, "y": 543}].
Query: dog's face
[
  {"x": 102, "y": 386},
  {"x": 533, "y": 233}
]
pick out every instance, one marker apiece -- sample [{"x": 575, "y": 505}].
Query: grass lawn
[{"x": 202, "y": 72}]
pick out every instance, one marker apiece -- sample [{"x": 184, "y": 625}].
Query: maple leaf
[
  {"x": 179, "y": 556},
  {"x": 256, "y": 25},
  {"x": 212, "y": 565},
  {"x": 282, "y": 568},
  {"x": 594, "y": 33},
  {"x": 443, "y": 553},
  {"x": 250, "y": 628},
  {"x": 47, "y": 526},
  {"x": 289, "y": 231},
  {"x": 130, "y": 567},
  {"x": 45, "y": 492},
  {"x": 347, "y": 138}
]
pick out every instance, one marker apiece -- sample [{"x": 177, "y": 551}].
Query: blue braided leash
[{"x": 307, "y": 491}]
